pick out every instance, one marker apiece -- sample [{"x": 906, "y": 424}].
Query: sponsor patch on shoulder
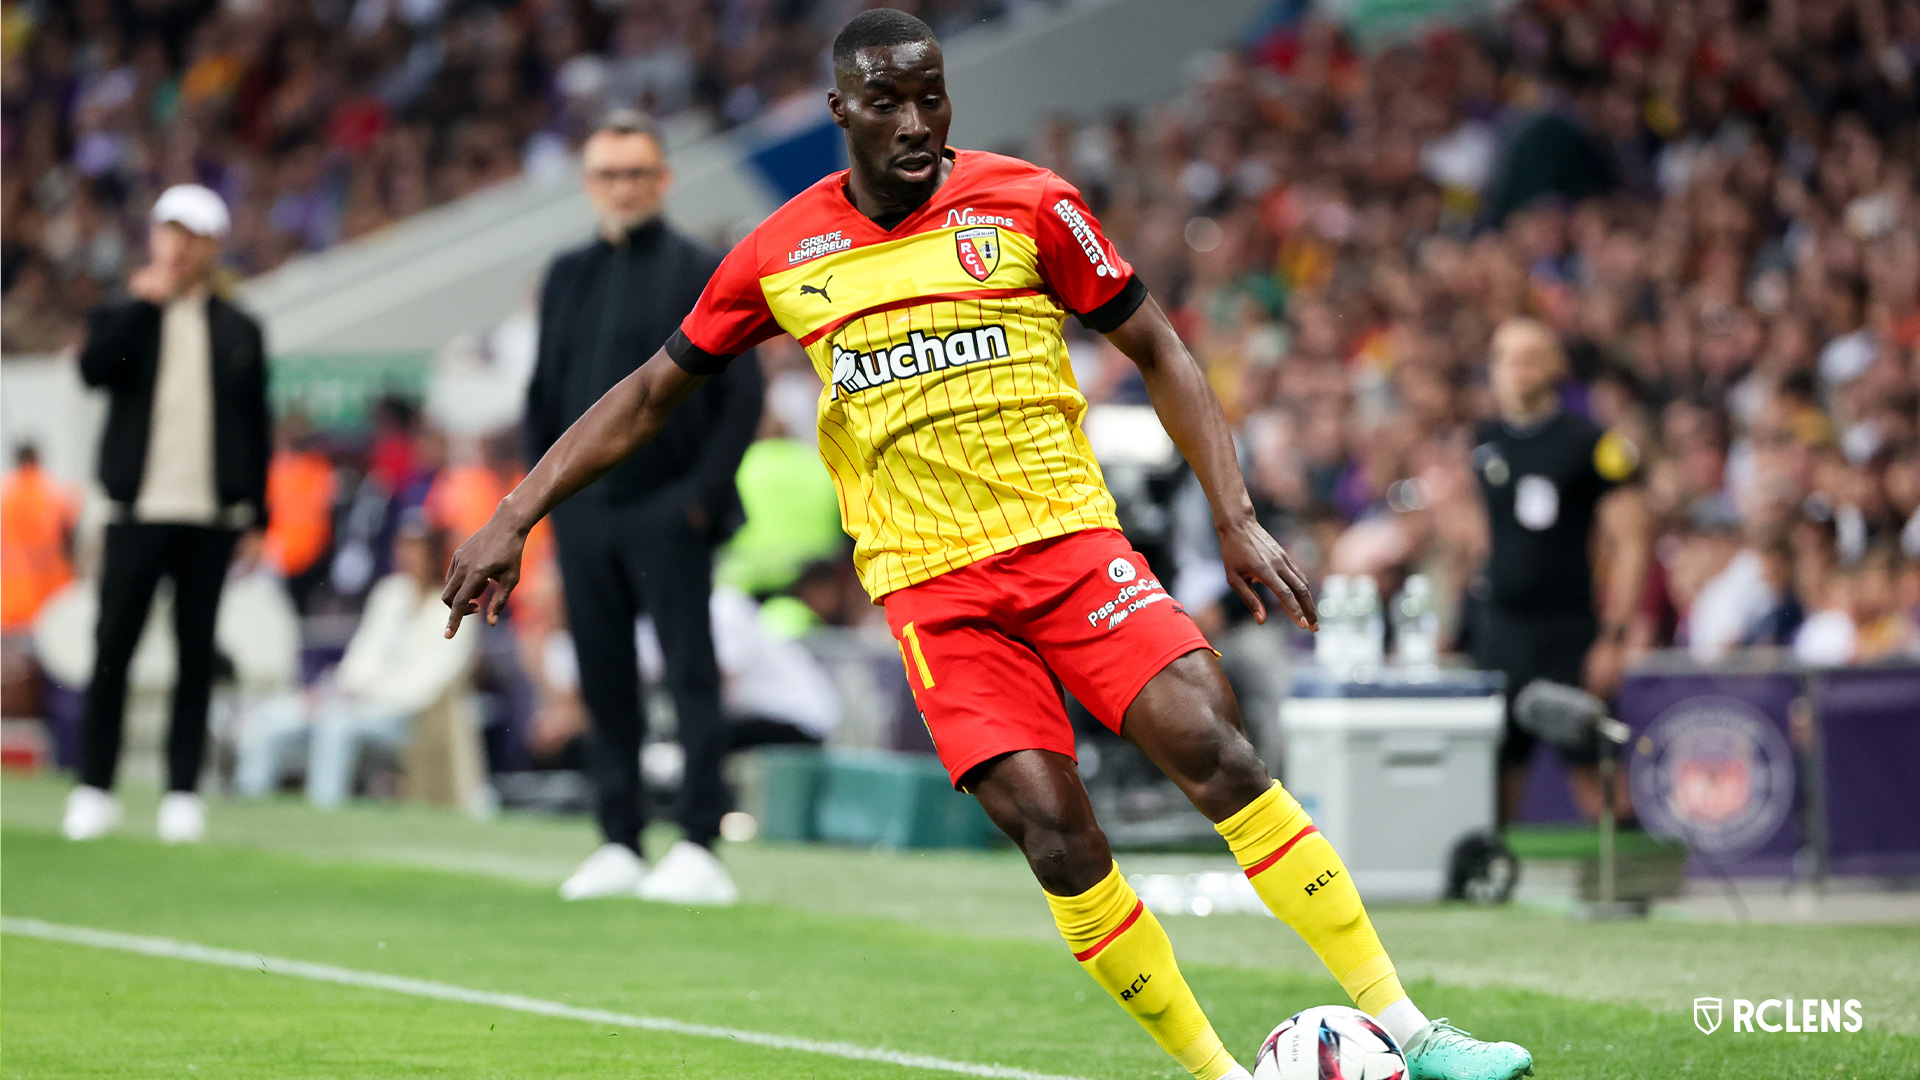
[{"x": 815, "y": 246}]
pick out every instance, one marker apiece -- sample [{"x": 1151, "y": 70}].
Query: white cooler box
[{"x": 1394, "y": 771}]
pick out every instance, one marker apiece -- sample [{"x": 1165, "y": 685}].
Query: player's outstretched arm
[
  {"x": 1192, "y": 416},
  {"x": 625, "y": 419}
]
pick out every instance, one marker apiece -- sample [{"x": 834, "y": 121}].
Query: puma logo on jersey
[
  {"x": 819, "y": 290},
  {"x": 918, "y": 355}
]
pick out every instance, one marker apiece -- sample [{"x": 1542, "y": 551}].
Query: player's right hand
[{"x": 490, "y": 555}]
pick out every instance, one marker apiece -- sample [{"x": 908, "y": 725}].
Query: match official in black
[
  {"x": 642, "y": 538},
  {"x": 183, "y": 457},
  {"x": 1563, "y": 518}
]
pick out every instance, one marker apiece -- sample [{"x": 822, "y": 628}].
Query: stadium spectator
[
  {"x": 325, "y": 121},
  {"x": 641, "y": 538},
  {"x": 36, "y": 536},
  {"x": 300, "y": 496},
  {"x": 183, "y": 457},
  {"x": 1329, "y": 229},
  {"x": 772, "y": 690},
  {"x": 397, "y": 667}
]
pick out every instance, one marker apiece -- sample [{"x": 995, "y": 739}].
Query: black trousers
[
  {"x": 138, "y": 554},
  {"x": 1533, "y": 646},
  {"x": 617, "y": 562}
]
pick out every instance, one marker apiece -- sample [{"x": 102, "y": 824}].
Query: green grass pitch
[{"x": 947, "y": 955}]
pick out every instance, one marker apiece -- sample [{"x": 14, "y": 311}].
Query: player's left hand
[{"x": 1252, "y": 557}]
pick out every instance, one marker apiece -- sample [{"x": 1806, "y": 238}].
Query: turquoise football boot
[{"x": 1444, "y": 1052}]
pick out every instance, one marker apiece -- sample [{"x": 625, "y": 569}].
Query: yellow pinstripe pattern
[{"x": 951, "y": 420}]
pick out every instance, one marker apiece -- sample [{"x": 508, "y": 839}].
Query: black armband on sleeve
[
  {"x": 692, "y": 358},
  {"x": 1107, "y": 318}
]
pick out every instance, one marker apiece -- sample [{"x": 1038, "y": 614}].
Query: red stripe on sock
[
  {"x": 1284, "y": 848},
  {"x": 1138, "y": 907}
]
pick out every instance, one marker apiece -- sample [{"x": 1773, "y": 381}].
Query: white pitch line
[{"x": 301, "y": 969}]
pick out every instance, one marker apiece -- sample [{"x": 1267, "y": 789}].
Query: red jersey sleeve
[
  {"x": 1080, "y": 264},
  {"x": 731, "y": 316}
]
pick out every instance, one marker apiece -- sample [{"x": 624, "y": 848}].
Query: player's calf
[{"x": 1037, "y": 799}]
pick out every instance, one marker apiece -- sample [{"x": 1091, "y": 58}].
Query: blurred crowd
[
  {"x": 324, "y": 120},
  {"x": 1712, "y": 204}
]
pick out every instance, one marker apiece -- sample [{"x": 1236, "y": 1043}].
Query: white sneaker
[
  {"x": 183, "y": 818},
  {"x": 690, "y": 874},
  {"x": 614, "y": 870},
  {"x": 91, "y": 814}
]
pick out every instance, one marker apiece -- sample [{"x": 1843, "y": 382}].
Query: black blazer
[
  {"x": 122, "y": 354},
  {"x": 598, "y": 322}
]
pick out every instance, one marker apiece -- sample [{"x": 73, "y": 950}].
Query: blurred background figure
[
  {"x": 300, "y": 498},
  {"x": 183, "y": 457},
  {"x": 1544, "y": 474},
  {"x": 642, "y": 538},
  {"x": 37, "y": 517},
  {"x": 397, "y": 668},
  {"x": 36, "y": 539}
]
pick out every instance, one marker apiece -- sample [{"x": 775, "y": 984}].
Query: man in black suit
[
  {"x": 184, "y": 459},
  {"x": 642, "y": 538}
]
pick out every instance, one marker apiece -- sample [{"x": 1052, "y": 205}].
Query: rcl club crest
[
  {"x": 1715, "y": 773},
  {"x": 979, "y": 251}
]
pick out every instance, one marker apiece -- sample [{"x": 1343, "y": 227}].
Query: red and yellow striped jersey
[{"x": 950, "y": 419}]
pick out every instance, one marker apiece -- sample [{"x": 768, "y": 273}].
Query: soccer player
[{"x": 928, "y": 285}]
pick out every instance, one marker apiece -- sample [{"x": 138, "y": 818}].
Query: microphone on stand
[
  {"x": 1571, "y": 717},
  {"x": 1566, "y": 716}
]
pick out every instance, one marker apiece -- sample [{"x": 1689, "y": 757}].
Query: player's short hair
[
  {"x": 878, "y": 28},
  {"x": 627, "y": 120}
]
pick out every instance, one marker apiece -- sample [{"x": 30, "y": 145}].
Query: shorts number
[{"x": 919, "y": 658}]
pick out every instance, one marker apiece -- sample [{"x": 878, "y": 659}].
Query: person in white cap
[{"x": 183, "y": 457}]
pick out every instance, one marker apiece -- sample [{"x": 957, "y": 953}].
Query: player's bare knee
[
  {"x": 1068, "y": 863},
  {"x": 1235, "y": 776}
]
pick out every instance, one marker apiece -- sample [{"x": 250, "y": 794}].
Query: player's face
[
  {"x": 893, "y": 103},
  {"x": 625, "y": 177}
]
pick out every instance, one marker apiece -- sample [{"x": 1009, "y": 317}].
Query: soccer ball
[{"x": 1329, "y": 1042}]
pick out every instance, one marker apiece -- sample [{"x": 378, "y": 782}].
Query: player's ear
[{"x": 836, "y": 106}]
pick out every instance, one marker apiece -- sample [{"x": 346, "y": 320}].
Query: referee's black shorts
[{"x": 1526, "y": 647}]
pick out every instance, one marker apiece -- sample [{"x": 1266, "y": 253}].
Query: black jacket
[
  {"x": 604, "y": 310},
  {"x": 122, "y": 354}
]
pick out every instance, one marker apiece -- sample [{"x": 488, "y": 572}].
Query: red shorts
[{"x": 990, "y": 646}]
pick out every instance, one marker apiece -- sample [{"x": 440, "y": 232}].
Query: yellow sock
[
  {"x": 1301, "y": 878},
  {"x": 1122, "y": 946}
]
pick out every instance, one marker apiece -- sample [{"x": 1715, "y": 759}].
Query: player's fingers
[
  {"x": 1248, "y": 595},
  {"x": 464, "y": 600},
  {"x": 1276, "y": 583},
  {"x": 456, "y": 574},
  {"x": 1296, "y": 582},
  {"x": 1289, "y": 602},
  {"x": 502, "y": 589}
]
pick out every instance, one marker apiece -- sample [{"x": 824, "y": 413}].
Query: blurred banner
[
  {"x": 1756, "y": 769},
  {"x": 335, "y": 390}
]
